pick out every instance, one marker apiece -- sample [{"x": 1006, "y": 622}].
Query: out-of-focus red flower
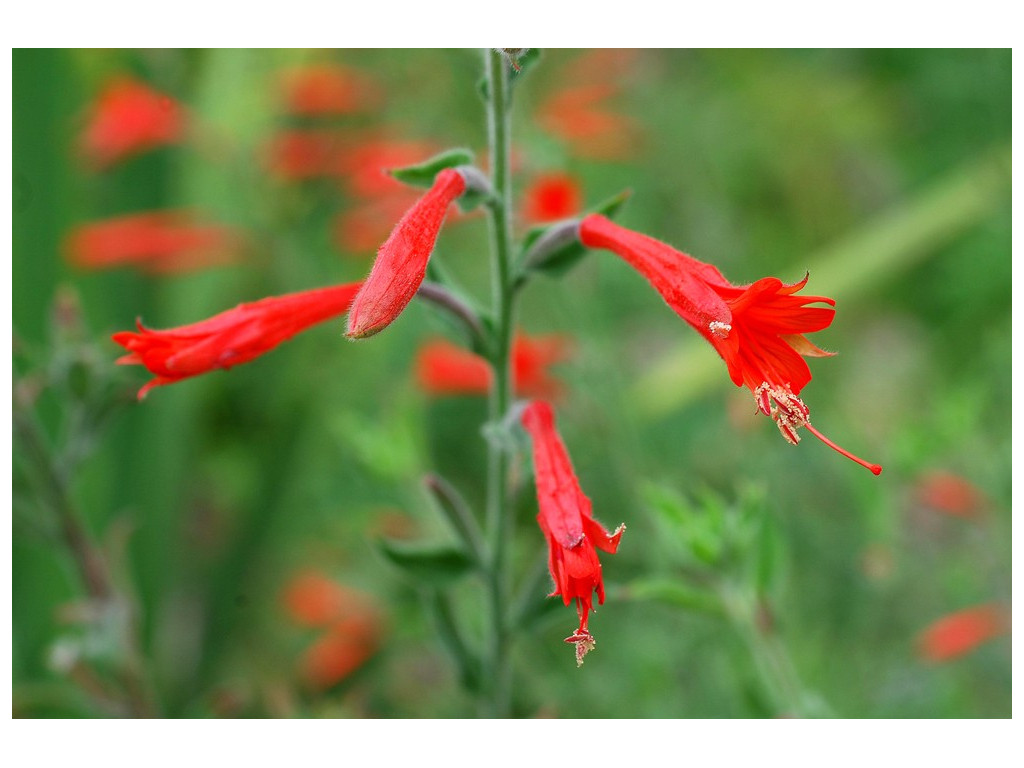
[
  {"x": 360, "y": 229},
  {"x": 366, "y": 164},
  {"x": 948, "y": 493},
  {"x": 157, "y": 242},
  {"x": 567, "y": 523},
  {"x": 580, "y": 116},
  {"x": 757, "y": 329},
  {"x": 232, "y": 337},
  {"x": 327, "y": 89},
  {"x": 346, "y": 646},
  {"x": 298, "y": 155},
  {"x": 401, "y": 262},
  {"x": 551, "y": 197},
  {"x": 313, "y": 600},
  {"x": 353, "y": 625},
  {"x": 128, "y": 118},
  {"x": 960, "y": 633},
  {"x": 442, "y": 368}
]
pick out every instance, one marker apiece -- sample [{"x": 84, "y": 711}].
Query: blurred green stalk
[{"x": 894, "y": 241}]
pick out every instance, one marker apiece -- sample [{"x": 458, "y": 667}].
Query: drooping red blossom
[
  {"x": 565, "y": 518},
  {"x": 401, "y": 262},
  {"x": 758, "y": 329},
  {"x": 960, "y": 633},
  {"x": 442, "y": 368},
  {"x": 127, "y": 119},
  {"x": 948, "y": 493},
  {"x": 318, "y": 90},
  {"x": 551, "y": 197},
  {"x": 159, "y": 242},
  {"x": 232, "y": 337}
]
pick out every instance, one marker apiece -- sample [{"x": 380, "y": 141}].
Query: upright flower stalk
[{"x": 495, "y": 699}]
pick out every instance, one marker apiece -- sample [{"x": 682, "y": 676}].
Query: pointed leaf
[{"x": 422, "y": 174}]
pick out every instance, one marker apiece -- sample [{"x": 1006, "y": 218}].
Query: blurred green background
[{"x": 755, "y": 578}]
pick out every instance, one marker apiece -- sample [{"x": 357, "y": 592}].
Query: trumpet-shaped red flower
[
  {"x": 401, "y": 262},
  {"x": 572, "y": 534},
  {"x": 232, "y": 337},
  {"x": 158, "y": 242},
  {"x": 960, "y": 633},
  {"x": 442, "y": 368},
  {"x": 551, "y": 197},
  {"x": 128, "y": 118},
  {"x": 757, "y": 329},
  {"x": 326, "y": 89}
]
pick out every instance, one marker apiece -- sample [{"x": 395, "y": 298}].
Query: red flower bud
[
  {"x": 401, "y": 262},
  {"x": 232, "y": 337},
  {"x": 758, "y": 329},
  {"x": 564, "y": 516}
]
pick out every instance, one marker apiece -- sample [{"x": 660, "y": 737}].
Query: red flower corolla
[
  {"x": 232, "y": 337},
  {"x": 158, "y": 242},
  {"x": 360, "y": 229},
  {"x": 401, "y": 262},
  {"x": 551, "y": 197},
  {"x": 960, "y": 633},
  {"x": 442, "y": 368},
  {"x": 564, "y": 516},
  {"x": 128, "y": 118},
  {"x": 757, "y": 329},
  {"x": 326, "y": 89}
]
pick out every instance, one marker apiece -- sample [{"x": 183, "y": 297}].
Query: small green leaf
[
  {"x": 434, "y": 565},
  {"x": 422, "y": 174},
  {"x": 559, "y": 260}
]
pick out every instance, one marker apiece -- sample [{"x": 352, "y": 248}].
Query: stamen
[
  {"x": 875, "y": 468},
  {"x": 719, "y": 329}
]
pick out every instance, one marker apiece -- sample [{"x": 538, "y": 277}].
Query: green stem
[{"x": 494, "y": 701}]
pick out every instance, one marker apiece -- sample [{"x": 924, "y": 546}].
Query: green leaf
[
  {"x": 435, "y": 565},
  {"x": 563, "y": 256},
  {"x": 422, "y": 174}
]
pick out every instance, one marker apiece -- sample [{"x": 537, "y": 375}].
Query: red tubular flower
[
  {"x": 960, "y": 633},
  {"x": 442, "y": 368},
  {"x": 757, "y": 329},
  {"x": 158, "y": 241},
  {"x": 552, "y": 197},
  {"x": 566, "y": 520},
  {"x": 326, "y": 89},
  {"x": 401, "y": 262},
  {"x": 232, "y": 337},
  {"x": 128, "y": 118}
]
